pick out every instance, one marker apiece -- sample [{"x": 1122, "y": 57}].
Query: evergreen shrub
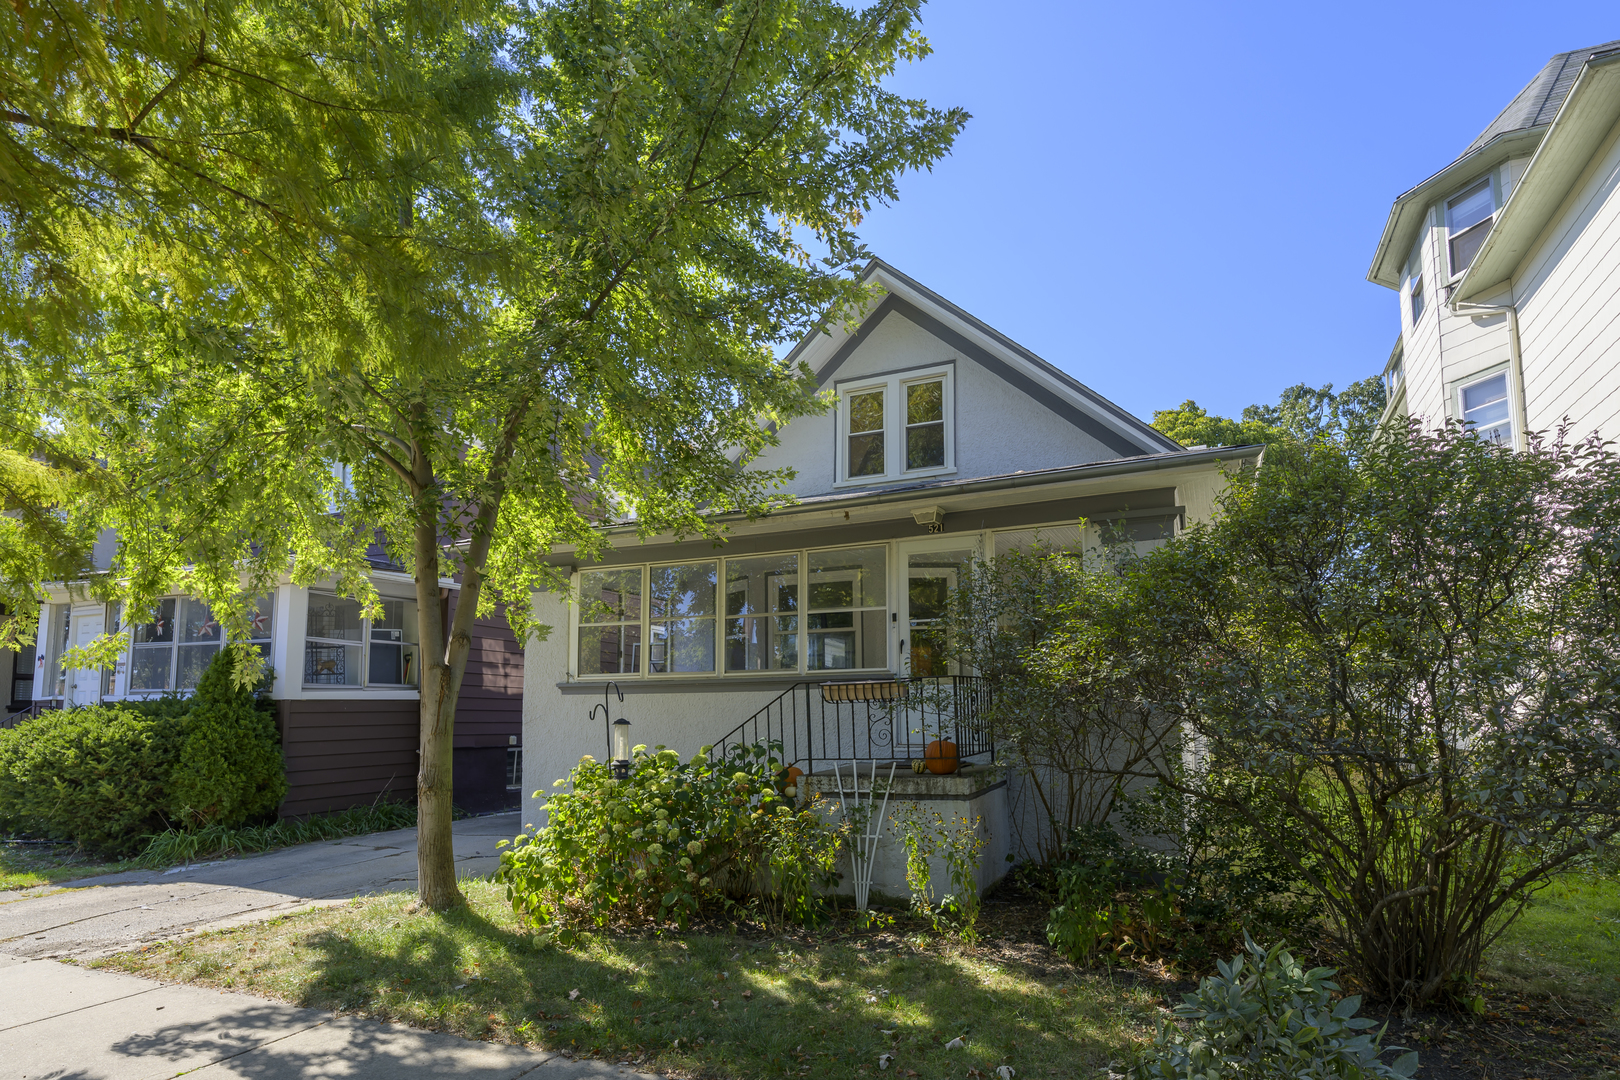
[{"x": 109, "y": 776}]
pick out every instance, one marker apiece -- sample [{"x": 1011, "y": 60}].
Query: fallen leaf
[
  {"x": 573, "y": 995},
  {"x": 714, "y": 1003},
  {"x": 748, "y": 993}
]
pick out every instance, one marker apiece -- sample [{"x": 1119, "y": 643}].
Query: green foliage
[
  {"x": 1183, "y": 902},
  {"x": 1301, "y": 414},
  {"x": 176, "y": 846},
  {"x": 1049, "y": 630},
  {"x": 958, "y": 844},
  {"x": 666, "y": 842},
  {"x": 1264, "y": 1016},
  {"x": 522, "y": 268},
  {"x": 1408, "y": 655},
  {"x": 108, "y": 776}
]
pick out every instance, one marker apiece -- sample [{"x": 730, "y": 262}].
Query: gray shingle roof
[{"x": 1539, "y": 102}]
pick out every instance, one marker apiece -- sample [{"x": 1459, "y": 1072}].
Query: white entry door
[
  {"x": 929, "y": 572},
  {"x": 84, "y": 684}
]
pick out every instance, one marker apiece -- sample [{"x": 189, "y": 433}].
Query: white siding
[
  {"x": 998, "y": 428},
  {"x": 1569, "y": 307}
]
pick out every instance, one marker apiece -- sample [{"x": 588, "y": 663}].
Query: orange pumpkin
[{"x": 940, "y": 757}]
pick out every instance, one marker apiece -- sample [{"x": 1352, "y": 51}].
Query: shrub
[
  {"x": 662, "y": 844},
  {"x": 108, "y": 776},
  {"x": 1262, "y": 1017}
]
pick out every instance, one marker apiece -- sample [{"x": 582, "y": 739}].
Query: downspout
[{"x": 1515, "y": 360}]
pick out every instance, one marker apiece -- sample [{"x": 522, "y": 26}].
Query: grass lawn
[
  {"x": 718, "y": 1003},
  {"x": 1566, "y": 944},
  {"x": 23, "y": 866}
]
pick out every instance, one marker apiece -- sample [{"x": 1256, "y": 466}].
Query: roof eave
[
  {"x": 1584, "y": 120},
  {"x": 1400, "y": 230}
]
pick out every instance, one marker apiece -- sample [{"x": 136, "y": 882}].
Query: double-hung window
[
  {"x": 172, "y": 647},
  {"x": 1469, "y": 215},
  {"x": 791, "y": 611},
  {"x": 343, "y": 648},
  {"x": 1486, "y": 408},
  {"x": 896, "y": 427},
  {"x": 1415, "y": 298}
]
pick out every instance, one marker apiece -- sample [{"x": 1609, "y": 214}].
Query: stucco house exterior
[
  {"x": 345, "y": 687},
  {"x": 1507, "y": 266},
  {"x": 948, "y": 441}
]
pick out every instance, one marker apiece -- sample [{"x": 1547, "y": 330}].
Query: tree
[
  {"x": 582, "y": 335},
  {"x": 1409, "y": 657},
  {"x": 1301, "y": 413},
  {"x": 1043, "y": 628}
]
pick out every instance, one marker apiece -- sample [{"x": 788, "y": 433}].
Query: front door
[
  {"x": 84, "y": 684},
  {"x": 931, "y": 570}
]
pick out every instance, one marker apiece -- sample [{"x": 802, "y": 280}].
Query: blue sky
[{"x": 1181, "y": 200}]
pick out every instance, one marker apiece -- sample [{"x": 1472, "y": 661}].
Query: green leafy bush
[
  {"x": 1262, "y": 1017},
  {"x": 672, "y": 838},
  {"x": 215, "y": 841},
  {"x": 109, "y": 776}
]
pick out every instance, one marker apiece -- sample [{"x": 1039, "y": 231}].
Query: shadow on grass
[{"x": 718, "y": 1002}]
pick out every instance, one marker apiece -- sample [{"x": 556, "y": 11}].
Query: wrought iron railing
[
  {"x": 33, "y": 710},
  {"x": 818, "y": 723}
]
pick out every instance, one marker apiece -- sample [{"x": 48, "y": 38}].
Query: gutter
[{"x": 1009, "y": 481}]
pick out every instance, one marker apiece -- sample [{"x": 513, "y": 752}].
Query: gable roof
[
  {"x": 1516, "y": 131},
  {"x": 1053, "y": 388}
]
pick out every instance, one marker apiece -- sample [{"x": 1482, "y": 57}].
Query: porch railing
[
  {"x": 818, "y": 723},
  {"x": 22, "y": 714}
]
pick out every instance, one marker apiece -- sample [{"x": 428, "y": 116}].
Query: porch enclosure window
[
  {"x": 55, "y": 673},
  {"x": 762, "y": 613},
  {"x": 610, "y": 622},
  {"x": 1468, "y": 222},
  {"x": 173, "y": 645},
  {"x": 682, "y": 617},
  {"x": 343, "y": 648},
  {"x": 784, "y": 612}
]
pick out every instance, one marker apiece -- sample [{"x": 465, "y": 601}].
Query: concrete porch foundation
[{"x": 979, "y": 794}]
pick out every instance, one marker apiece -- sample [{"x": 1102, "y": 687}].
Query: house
[
  {"x": 1507, "y": 266},
  {"x": 345, "y": 687},
  {"x": 948, "y": 442}
]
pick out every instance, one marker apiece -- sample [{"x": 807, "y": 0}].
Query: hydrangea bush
[{"x": 669, "y": 840}]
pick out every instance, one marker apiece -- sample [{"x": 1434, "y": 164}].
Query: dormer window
[
  {"x": 896, "y": 426},
  {"x": 1468, "y": 221}
]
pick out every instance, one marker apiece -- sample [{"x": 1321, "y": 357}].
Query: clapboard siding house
[
  {"x": 1507, "y": 265},
  {"x": 948, "y": 442}
]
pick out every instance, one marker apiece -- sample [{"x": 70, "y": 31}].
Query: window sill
[
  {"x": 873, "y": 481},
  {"x": 710, "y": 683}
]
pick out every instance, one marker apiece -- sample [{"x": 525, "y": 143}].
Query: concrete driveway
[{"x": 95, "y": 916}]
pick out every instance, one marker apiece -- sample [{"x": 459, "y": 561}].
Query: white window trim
[
  {"x": 894, "y": 424},
  {"x": 125, "y": 670},
  {"x": 800, "y": 671},
  {"x": 1454, "y": 398},
  {"x": 1495, "y": 179}
]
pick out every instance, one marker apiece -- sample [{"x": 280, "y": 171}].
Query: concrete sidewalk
[
  {"x": 100, "y": 915},
  {"x": 58, "y": 1021}
]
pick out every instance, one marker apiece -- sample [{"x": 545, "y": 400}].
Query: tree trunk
[{"x": 435, "y": 853}]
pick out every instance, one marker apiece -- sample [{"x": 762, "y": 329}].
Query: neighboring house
[
  {"x": 1507, "y": 262},
  {"x": 345, "y": 689},
  {"x": 948, "y": 442}
]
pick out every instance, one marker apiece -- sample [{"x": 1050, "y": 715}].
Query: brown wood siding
[
  {"x": 340, "y": 754},
  {"x": 490, "y": 709}
]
